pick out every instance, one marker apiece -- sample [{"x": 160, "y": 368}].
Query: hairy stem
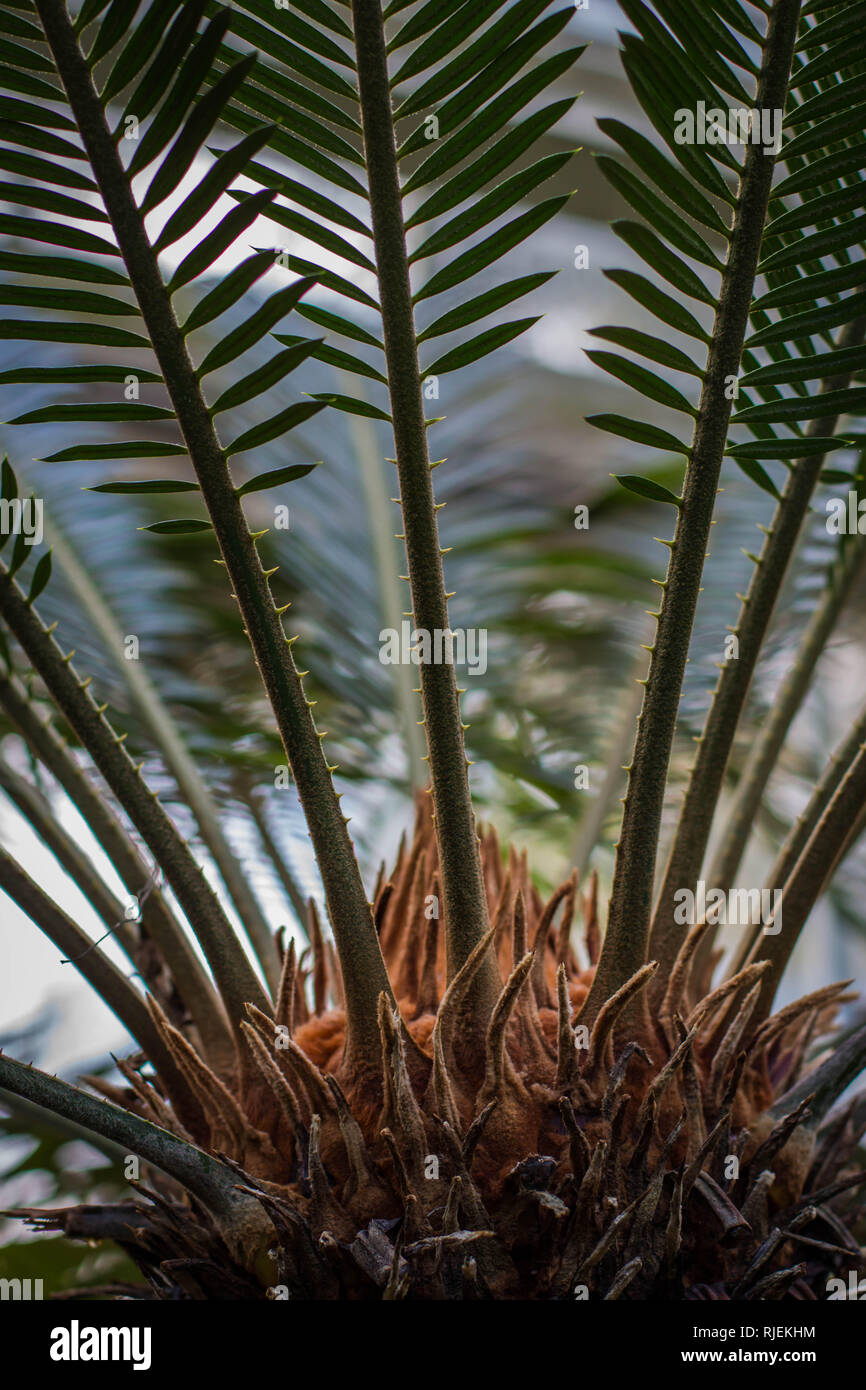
[
  {"x": 771, "y": 736},
  {"x": 804, "y": 827},
  {"x": 465, "y": 904},
  {"x": 380, "y": 519},
  {"x": 810, "y": 875},
  {"x": 820, "y": 799},
  {"x": 627, "y": 936},
  {"x": 729, "y": 698},
  {"x": 350, "y": 913}
]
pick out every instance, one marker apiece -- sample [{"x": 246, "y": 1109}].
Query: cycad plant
[{"x": 454, "y": 1098}]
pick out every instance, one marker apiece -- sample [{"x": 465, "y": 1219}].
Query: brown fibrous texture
[{"x": 512, "y": 1156}]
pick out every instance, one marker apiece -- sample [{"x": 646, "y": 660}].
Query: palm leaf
[
  {"x": 218, "y": 82},
  {"x": 761, "y": 248}
]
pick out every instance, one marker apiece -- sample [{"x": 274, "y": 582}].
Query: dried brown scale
[{"x": 550, "y": 1168}]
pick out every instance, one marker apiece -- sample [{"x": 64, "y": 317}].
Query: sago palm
[{"x": 454, "y": 1099}]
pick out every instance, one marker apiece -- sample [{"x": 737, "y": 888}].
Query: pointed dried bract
[
  {"x": 284, "y": 1012},
  {"x": 558, "y": 1164},
  {"x": 592, "y": 934},
  {"x": 320, "y": 959}
]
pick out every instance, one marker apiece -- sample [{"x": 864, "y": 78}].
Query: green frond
[
  {"x": 254, "y": 329},
  {"x": 648, "y": 383},
  {"x": 121, "y": 414},
  {"x": 498, "y": 157},
  {"x": 336, "y": 357},
  {"x": 510, "y": 37},
  {"x": 639, "y": 433},
  {"x": 647, "y": 487},
  {"x": 186, "y": 526},
  {"x": 120, "y": 449},
  {"x": 475, "y": 348},
  {"x": 275, "y": 427},
  {"x": 276, "y": 478},
  {"x": 802, "y": 293},
  {"x": 199, "y": 203},
  {"x": 471, "y": 310},
  {"x": 483, "y": 254},
  {"x": 224, "y": 235},
  {"x": 259, "y": 380},
  {"x": 645, "y": 345},
  {"x": 351, "y": 405},
  {"x": 471, "y": 134},
  {"x": 149, "y": 101},
  {"x": 229, "y": 290},
  {"x": 144, "y": 487},
  {"x": 181, "y": 92}
]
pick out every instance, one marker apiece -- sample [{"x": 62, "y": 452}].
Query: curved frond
[{"x": 728, "y": 166}]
